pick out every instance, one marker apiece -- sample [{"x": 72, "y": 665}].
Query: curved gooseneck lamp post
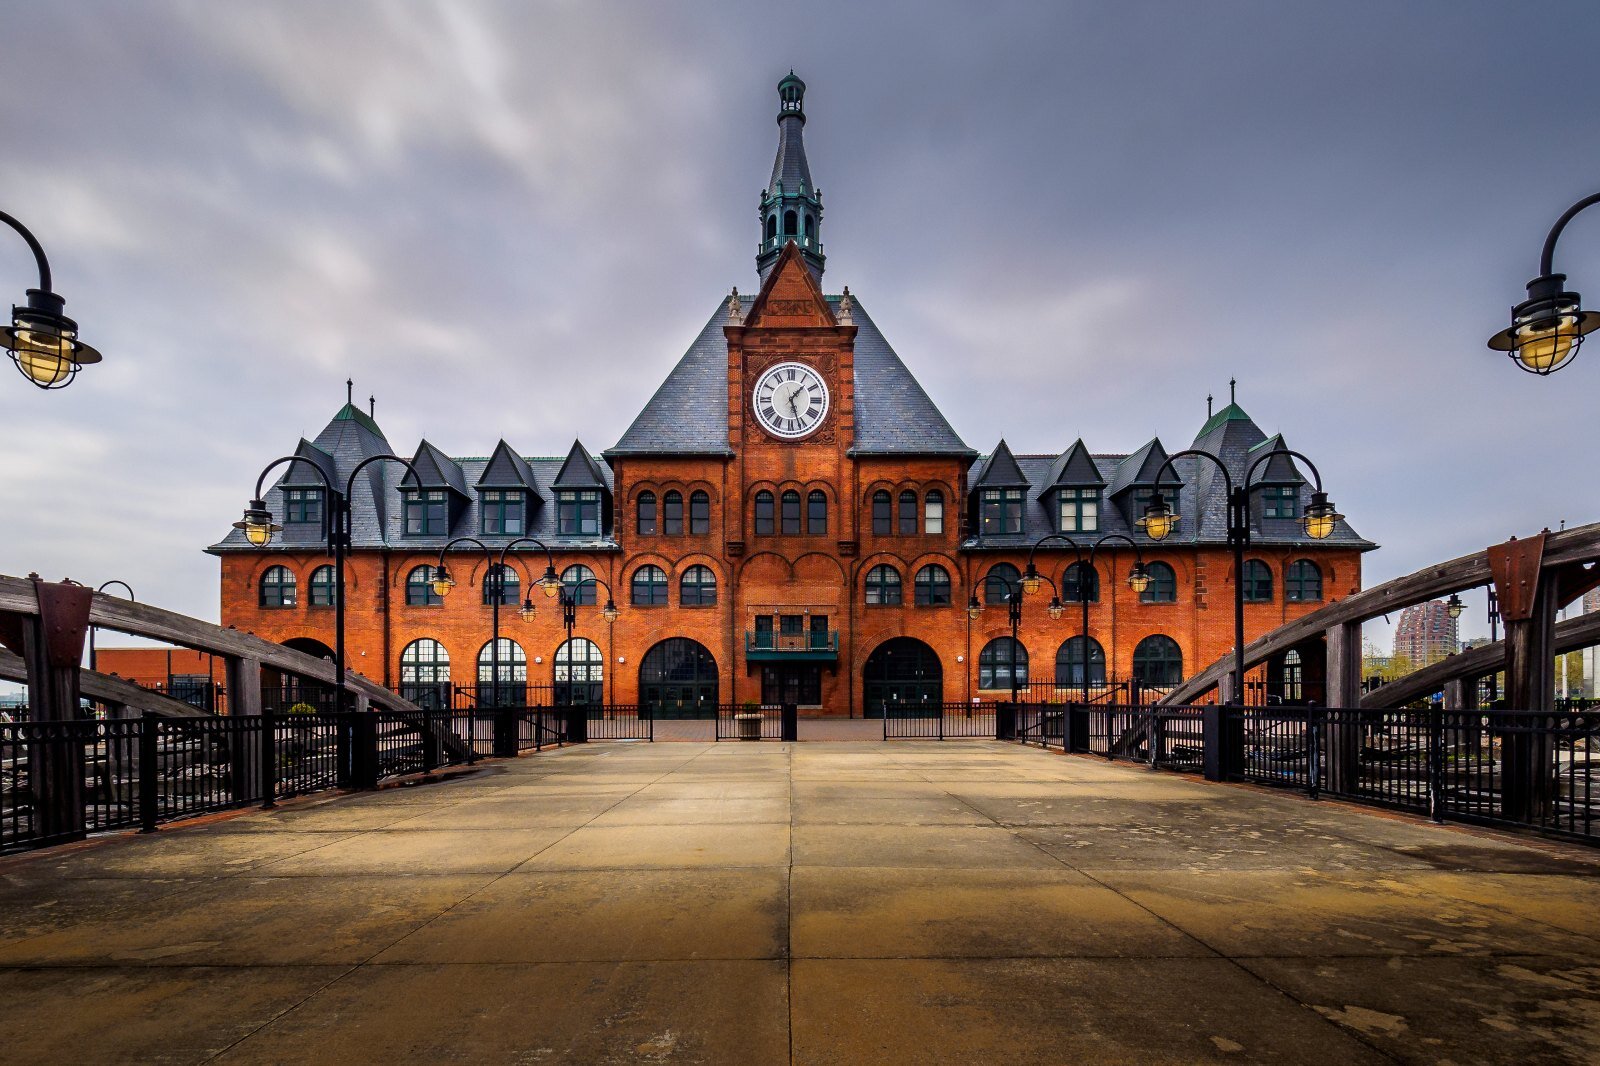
[
  {"x": 1014, "y": 591},
  {"x": 1138, "y": 581},
  {"x": 569, "y": 614},
  {"x": 41, "y": 339},
  {"x": 1549, "y": 326},
  {"x": 125, "y": 588},
  {"x": 494, "y": 584},
  {"x": 1160, "y": 520},
  {"x": 258, "y": 528}
]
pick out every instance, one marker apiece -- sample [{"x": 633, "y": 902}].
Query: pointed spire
[
  {"x": 847, "y": 309},
  {"x": 1233, "y": 390},
  {"x": 791, "y": 205},
  {"x": 1208, "y": 407},
  {"x": 735, "y": 308},
  {"x": 372, "y": 408}
]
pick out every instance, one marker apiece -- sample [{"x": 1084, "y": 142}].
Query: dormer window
[
  {"x": 578, "y": 513},
  {"x": 1000, "y": 512},
  {"x": 1079, "y": 510},
  {"x": 1280, "y": 501},
  {"x": 427, "y": 513},
  {"x": 302, "y": 507},
  {"x": 502, "y": 512}
]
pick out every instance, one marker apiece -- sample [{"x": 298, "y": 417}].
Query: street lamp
[
  {"x": 494, "y": 583},
  {"x": 258, "y": 528},
  {"x": 1013, "y": 612},
  {"x": 1453, "y": 606},
  {"x": 102, "y": 588},
  {"x": 1138, "y": 581},
  {"x": 41, "y": 339},
  {"x": 1321, "y": 518},
  {"x": 1549, "y": 326},
  {"x": 569, "y": 610}
]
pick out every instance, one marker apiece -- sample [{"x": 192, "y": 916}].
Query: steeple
[{"x": 791, "y": 206}]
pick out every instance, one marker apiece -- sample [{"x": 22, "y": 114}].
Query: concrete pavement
[{"x": 965, "y": 902}]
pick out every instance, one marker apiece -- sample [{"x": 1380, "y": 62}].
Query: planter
[{"x": 748, "y": 725}]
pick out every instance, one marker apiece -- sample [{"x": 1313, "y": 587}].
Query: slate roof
[
  {"x": 580, "y": 471},
  {"x": 349, "y": 439},
  {"x": 998, "y": 469},
  {"x": 790, "y": 166},
  {"x": 435, "y": 470},
  {"x": 688, "y": 415},
  {"x": 1202, "y": 496},
  {"x": 505, "y": 469}
]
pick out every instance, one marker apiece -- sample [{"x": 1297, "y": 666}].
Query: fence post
[
  {"x": 577, "y": 725},
  {"x": 642, "y": 710},
  {"x": 505, "y": 732},
  {"x": 1315, "y": 717},
  {"x": 1155, "y": 737},
  {"x": 430, "y": 743},
  {"x": 149, "y": 797},
  {"x": 941, "y": 720},
  {"x": 1436, "y": 766},
  {"x": 1005, "y": 721},
  {"x": 364, "y": 749},
  {"x": 789, "y": 722},
  {"x": 269, "y": 760}
]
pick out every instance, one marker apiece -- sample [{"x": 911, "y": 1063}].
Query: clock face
[{"x": 790, "y": 401}]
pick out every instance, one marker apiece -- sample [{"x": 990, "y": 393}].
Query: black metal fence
[
  {"x": 750, "y": 721},
  {"x": 1528, "y": 769},
  {"x": 942, "y": 721}
]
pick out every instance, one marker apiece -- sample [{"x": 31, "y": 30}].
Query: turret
[{"x": 791, "y": 205}]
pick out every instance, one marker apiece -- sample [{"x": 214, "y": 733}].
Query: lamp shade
[
  {"x": 44, "y": 343},
  {"x": 1159, "y": 519},
  {"x": 1321, "y": 517},
  {"x": 1138, "y": 578},
  {"x": 257, "y": 524},
  {"x": 442, "y": 581},
  {"x": 1547, "y": 328}
]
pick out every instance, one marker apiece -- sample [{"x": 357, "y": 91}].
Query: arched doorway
[
  {"x": 310, "y": 646},
  {"x": 579, "y": 674},
  {"x": 906, "y": 673},
  {"x": 678, "y": 679}
]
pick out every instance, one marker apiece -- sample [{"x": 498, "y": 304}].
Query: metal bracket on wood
[{"x": 1515, "y": 566}]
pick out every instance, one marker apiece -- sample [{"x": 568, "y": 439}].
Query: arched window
[
  {"x": 510, "y": 586},
  {"x": 1157, "y": 660},
  {"x": 649, "y": 586},
  {"x": 698, "y": 587},
  {"x": 1163, "y": 587},
  {"x": 699, "y": 512},
  {"x": 811, "y": 226},
  {"x": 789, "y": 221},
  {"x": 277, "y": 587},
  {"x": 425, "y": 674},
  {"x": 323, "y": 586},
  {"x": 933, "y": 512},
  {"x": 908, "y": 513},
  {"x": 419, "y": 587},
  {"x": 772, "y": 226},
  {"x": 1302, "y": 582},
  {"x": 766, "y": 523},
  {"x": 672, "y": 514},
  {"x": 579, "y": 673},
  {"x": 789, "y": 513},
  {"x": 817, "y": 513},
  {"x": 883, "y": 585},
  {"x": 1081, "y": 582},
  {"x": 1294, "y": 677},
  {"x": 1069, "y": 664},
  {"x": 647, "y": 514},
  {"x": 882, "y": 513},
  {"x": 1001, "y": 660},
  {"x": 579, "y": 585},
  {"x": 1257, "y": 581},
  {"x": 933, "y": 586},
  {"x": 998, "y": 584},
  {"x": 510, "y": 688}
]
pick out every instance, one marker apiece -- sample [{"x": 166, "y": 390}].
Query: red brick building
[{"x": 790, "y": 518}]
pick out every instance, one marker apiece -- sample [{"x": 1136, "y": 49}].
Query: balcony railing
[
  {"x": 805, "y": 243},
  {"x": 766, "y": 644}
]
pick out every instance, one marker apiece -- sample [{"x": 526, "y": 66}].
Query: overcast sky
[{"x": 1070, "y": 220}]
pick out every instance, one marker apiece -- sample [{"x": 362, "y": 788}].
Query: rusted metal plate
[
  {"x": 1515, "y": 567},
  {"x": 64, "y": 616}
]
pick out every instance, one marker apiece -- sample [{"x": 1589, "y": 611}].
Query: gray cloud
[{"x": 509, "y": 219}]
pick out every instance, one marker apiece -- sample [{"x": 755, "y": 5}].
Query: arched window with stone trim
[
  {"x": 698, "y": 587},
  {"x": 419, "y": 587},
  {"x": 883, "y": 585},
  {"x": 649, "y": 586},
  {"x": 277, "y": 587},
  {"x": 1001, "y": 660},
  {"x": 1302, "y": 582}
]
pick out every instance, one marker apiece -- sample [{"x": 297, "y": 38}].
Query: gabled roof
[
  {"x": 507, "y": 470},
  {"x": 1140, "y": 468},
  {"x": 688, "y": 415},
  {"x": 794, "y": 294},
  {"x": 1279, "y": 468},
  {"x": 999, "y": 469},
  {"x": 433, "y": 469},
  {"x": 301, "y": 476},
  {"x": 580, "y": 471},
  {"x": 1075, "y": 467}
]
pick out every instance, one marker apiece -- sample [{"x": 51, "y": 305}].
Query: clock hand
[{"x": 793, "y": 408}]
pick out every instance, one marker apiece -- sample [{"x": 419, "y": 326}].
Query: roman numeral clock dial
[{"x": 790, "y": 401}]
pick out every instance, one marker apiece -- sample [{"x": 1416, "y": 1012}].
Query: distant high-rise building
[{"x": 1426, "y": 633}]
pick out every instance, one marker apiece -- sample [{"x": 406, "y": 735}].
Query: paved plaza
[{"x": 965, "y": 902}]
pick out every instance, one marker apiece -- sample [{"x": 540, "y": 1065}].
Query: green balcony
[{"x": 764, "y": 645}]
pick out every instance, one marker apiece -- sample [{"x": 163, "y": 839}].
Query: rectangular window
[
  {"x": 672, "y": 514},
  {"x": 302, "y": 507},
  {"x": 908, "y": 514},
  {"x": 933, "y": 513},
  {"x": 578, "y": 513},
  {"x": 699, "y": 513},
  {"x": 647, "y": 514},
  {"x": 501, "y": 512},
  {"x": 817, "y": 515},
  {"x": 766, "y": 522},
  {"x": 427, "y": 513},
  {"x": 789, "y": 514},
  {"x": 1000, "y": 512},
  {"x": 882, "y": 517},
  {"x": 1080, "y": 510},
  {"x": 1280, "y": 501}
]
